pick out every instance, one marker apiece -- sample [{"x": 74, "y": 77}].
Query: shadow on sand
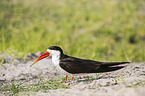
[{"x": 102, "y": 77}]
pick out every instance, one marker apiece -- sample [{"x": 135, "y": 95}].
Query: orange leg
[
  {"x": 72, "y": 79},
  {"x": 65, "y": 79}
]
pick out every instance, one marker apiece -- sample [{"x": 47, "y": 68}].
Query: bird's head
[{"x": 51, "y": 51}]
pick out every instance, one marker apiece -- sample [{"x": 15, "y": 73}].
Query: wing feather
[{"x": 75, "y": 65}]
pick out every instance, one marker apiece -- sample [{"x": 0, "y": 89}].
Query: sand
[{"x": 128, "y": 81}]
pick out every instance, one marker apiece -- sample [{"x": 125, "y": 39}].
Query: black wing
[{"x": 76, "y": 65}]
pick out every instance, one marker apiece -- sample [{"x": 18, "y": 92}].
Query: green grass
[
  {"x": 41, "y": 85},
  {"x": 103, "y": 30}
]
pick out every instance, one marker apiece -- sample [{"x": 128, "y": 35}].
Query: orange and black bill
[{"x": 44, "y": 55}]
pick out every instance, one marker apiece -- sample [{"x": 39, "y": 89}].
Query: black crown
[{"x": 56, "y": 48}]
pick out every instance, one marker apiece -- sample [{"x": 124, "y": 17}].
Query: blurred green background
[{"x": 105, "y": 30}]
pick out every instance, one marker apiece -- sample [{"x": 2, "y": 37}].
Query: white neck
[
  {"x": 55, "y": 59},
  {"x": 55, "y": 56}
]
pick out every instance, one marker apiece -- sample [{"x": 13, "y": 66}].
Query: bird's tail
[
  {"x": 107, "y": 64},
  {"x": 110, "y": 66}
]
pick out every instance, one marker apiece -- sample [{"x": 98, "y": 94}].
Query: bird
[{"x": 73, "y": 65}]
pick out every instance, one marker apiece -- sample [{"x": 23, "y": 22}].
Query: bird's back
[{"x": 76, "y": 65}]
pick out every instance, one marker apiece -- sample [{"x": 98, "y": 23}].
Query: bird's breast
[{"x": 56, "y": 61}]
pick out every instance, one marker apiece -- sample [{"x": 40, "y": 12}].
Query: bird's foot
[{"x": 65, "y": 78}]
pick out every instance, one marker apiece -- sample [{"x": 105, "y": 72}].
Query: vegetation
[
  {"x": 40, "y": 85},
  {"x": 111, "y": 30},
  {"x": 102, "y": 30}
]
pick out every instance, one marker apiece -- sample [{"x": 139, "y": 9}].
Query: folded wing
[{"x": 75, "y": 65}]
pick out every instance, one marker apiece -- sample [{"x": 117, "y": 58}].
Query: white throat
[
  {"x": 55, "y": 56},
  {"x": 56, "y": 59}
]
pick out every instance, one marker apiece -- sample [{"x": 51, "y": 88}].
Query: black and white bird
[{"x": 72, "y": 65}]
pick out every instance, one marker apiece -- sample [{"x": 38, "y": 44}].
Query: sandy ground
[{"x": 129, "y": 81}]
